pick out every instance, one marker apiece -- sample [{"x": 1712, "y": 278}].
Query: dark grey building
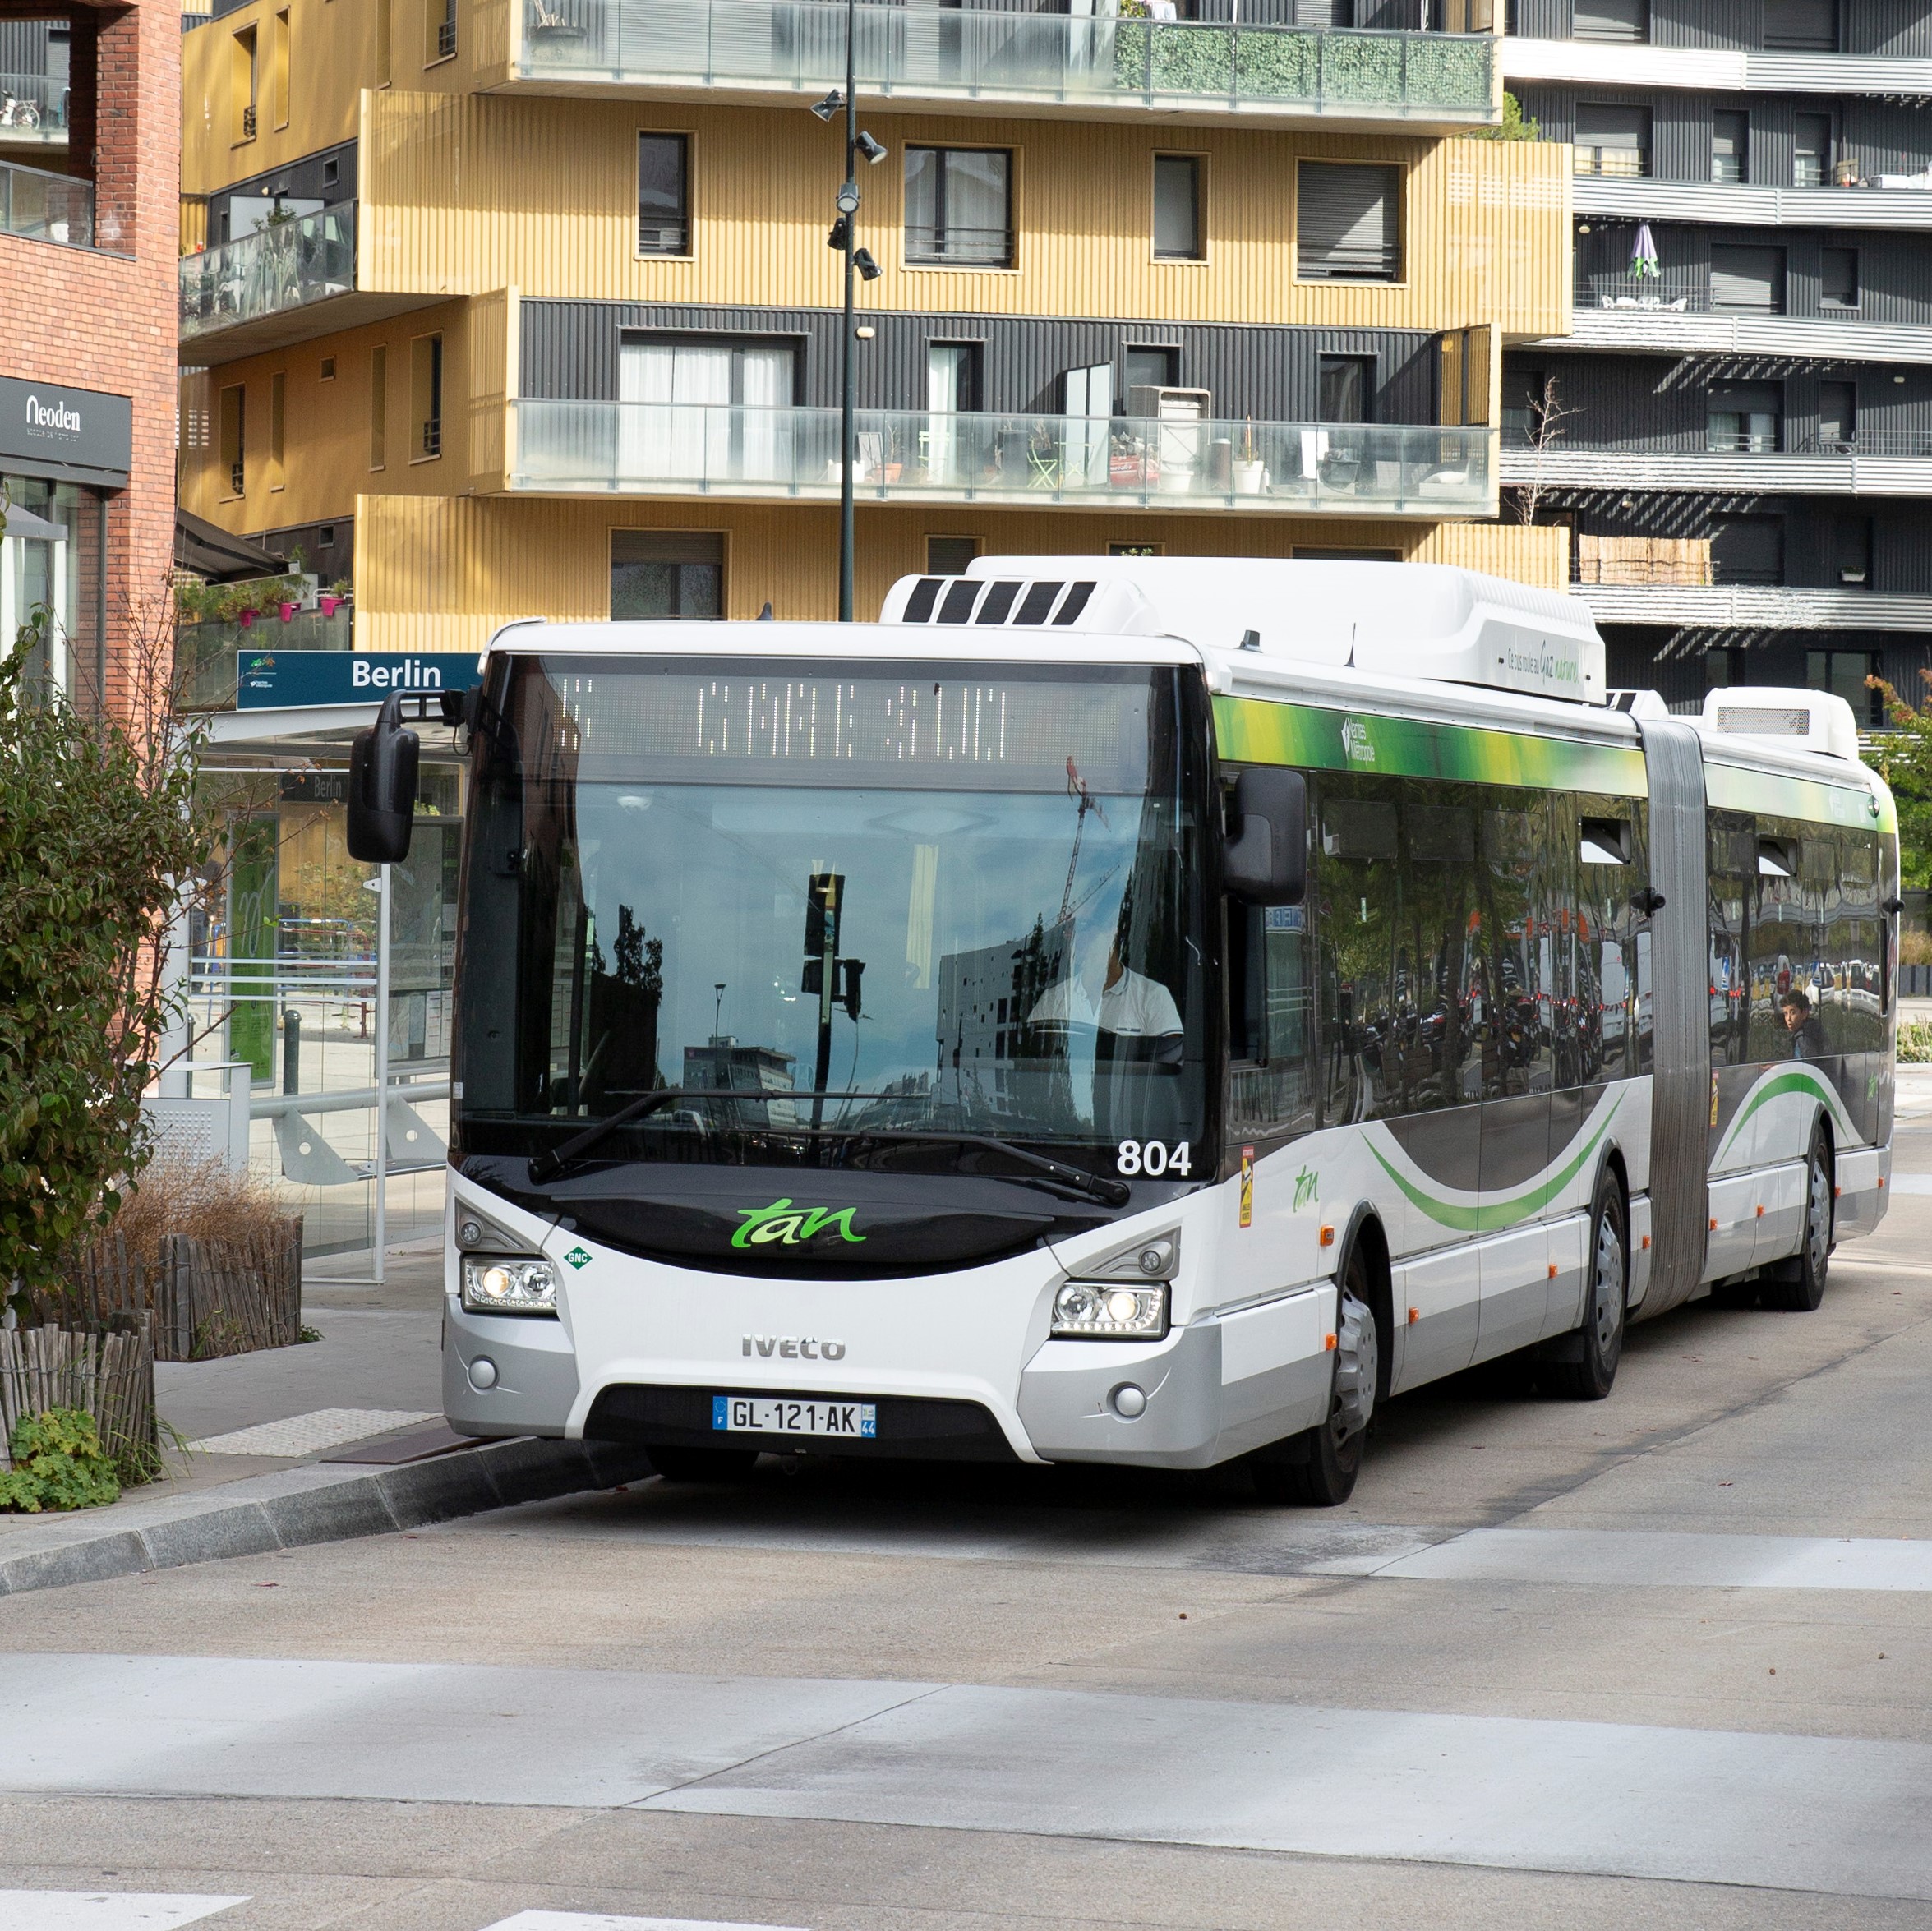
[{"x": 1738, "y": 429}]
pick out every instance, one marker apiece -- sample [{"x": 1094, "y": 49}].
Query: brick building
[{"x": 90, "y": 149}]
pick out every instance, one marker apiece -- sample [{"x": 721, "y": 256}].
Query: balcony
[
  {"x": 1713, "y": 70},
  {"x": 1888, "y": 202},
  {"x": 1027, "y": 461},
  {"x": 32, "y": 113},
  {"x": 243, "y": 295},
  {"x": 1673, "y": 314},
  {"x": 999, "y": 61},
  {"x": 1875, "y": 463},
  {"x": 46, "y": 207},
  {"x": 1752, "y": 606}
]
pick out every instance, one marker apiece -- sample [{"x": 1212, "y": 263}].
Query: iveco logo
[{"x": 795, "y": 1346}]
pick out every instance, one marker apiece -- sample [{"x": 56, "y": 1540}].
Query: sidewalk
[{"x": 346, "y": 1437}]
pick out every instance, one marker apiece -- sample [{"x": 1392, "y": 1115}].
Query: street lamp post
[{"x": 844, "y": 237}]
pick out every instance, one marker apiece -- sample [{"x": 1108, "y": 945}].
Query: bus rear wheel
[
  {"x": 1598, "y": 1343},
  {"x": 699, "y": 1464},
  {"x": 1317, "y": 1468},
  {"x": 1804, "y": 1287}
]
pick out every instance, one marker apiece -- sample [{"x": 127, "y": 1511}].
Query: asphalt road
[{"x": 1661, "y": 1661}]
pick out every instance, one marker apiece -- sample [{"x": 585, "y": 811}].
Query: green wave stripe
[
  {"x": 1252, "y": 730},
  {"x": 1797, "y": 1079},
  {"x": 1499, "y": 1213}
]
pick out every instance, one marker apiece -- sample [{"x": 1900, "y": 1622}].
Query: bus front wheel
[
  {"x": 1797, "y": 1286},
  {"x": 1317, "y": 1468}
]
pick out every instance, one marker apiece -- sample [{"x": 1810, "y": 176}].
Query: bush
[
  {"x": 1915, "y": 1043},
  {"x": 58, "y": 1463},
  {"x": 206, "y": 1201}
]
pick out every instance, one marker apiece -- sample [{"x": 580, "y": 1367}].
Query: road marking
[
  {"x": 107, "y": 1910},
  {"x": 310, "y": 1434},
  {"x": 1796, "y": 1813},
  {"x": 1671, "y": 1560},
  {"x": 594, "y": 1921}
]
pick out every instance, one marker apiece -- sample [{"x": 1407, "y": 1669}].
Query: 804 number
[{"x": 1153, "y": 1158}]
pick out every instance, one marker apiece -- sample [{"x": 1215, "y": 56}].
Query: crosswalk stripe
[
  {"x": 602, "y": 1921},
  {"x": 106, "y": 1910}
]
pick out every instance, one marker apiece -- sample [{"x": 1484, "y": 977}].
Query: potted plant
[{"x": 1251, "y": 473}]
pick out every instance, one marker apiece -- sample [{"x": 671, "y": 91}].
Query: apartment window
[
  {"x": 440, "y": 17},
  {"x": 1837, "y": 415},
  {"x": 1136, "y": 549},
  {"x": 1748, "y": 280},
  {"x": 278, "y": 427},
  {"x": 664, "y": 194},
  {"x": 959, "y": 206},
  {"x": 279, "y": 50},
  {"x": 1348, "y": 222},
  {"x": 1346, "y": 387},
  {"x": 242, "y": 85},
  {"x": 666, "y": 574},
  {"x": 1612, "y": 138},
  {"x": 234, "y": 445},
  {"x": 1843, "y": 673},
  {"x": 1804, "y": 26},
  {"x": 378, "y": 408},
  {"x": 1523, "y": 406},
  {"x": 426, "y": 398},
  {"x": 1837, "y": 278},
  {"x": 1730, "y": 145},
  {"x": 1851, "y": 552},
  {"x": 328, "y": 368},
  {"x": 1811, "y": 150},
  {"x": 1151, "y": 368},
  {"x": 1612, "y": 20},
  {"x": 953, "y": 377},
  {"x": 1748, "y": 550},
  {"x": 948, "y": 556},
  {"x": 1745, "y": 417},
  {"x": 1177, "y": 225},
  {"x": 1722, "y": 669}
]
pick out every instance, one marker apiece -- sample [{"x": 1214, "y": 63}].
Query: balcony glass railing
[
  {"x": 1014, "y": 53},
  {"x": 909, "y": 455},
  {"x": 46, "y": 207},
  {"x": 33, "y": 107},
  {"x": 282, "y": 265}
]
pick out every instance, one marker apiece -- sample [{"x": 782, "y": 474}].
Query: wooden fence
[
  {"x": 110, "y": 1375},
  {"x": 203, "y": 1298}
]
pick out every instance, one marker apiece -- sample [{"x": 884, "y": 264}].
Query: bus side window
[
  {"x": 1271, "y": 1014},
  {"x": 1732, "y": 849},
  {"x": 1858, "y": 949},
  {"x": 1360, "y": 914},
  {"x": 1603, "y": 969},
  {"x": 1517, "y": 948},
  {"x": 1439, "y": 1066}
]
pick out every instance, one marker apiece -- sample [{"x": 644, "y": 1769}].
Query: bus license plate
[{"x": 746, "y": 1414}]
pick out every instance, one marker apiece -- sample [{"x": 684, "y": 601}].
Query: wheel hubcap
[
  {"x": 1821, "y": 1218},
  {"x": 1607, "y": 1307},
  {"x": 1358, "y": 1360}
]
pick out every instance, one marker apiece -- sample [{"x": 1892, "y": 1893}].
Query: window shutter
[
  {"x": 1345, "y": 221},
  {"x": 1749, "y": 278},
  {"x": 1811, "y": 25}
]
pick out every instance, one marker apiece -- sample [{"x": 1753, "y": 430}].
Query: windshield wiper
[{"x": 546, "y": 1167}]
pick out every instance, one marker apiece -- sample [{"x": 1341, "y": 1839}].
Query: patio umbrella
[{"x": 1643, "y": 254}]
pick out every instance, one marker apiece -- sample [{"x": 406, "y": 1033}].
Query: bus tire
[
  {"x": 702, "y": 1464},
  {"x": 1799, "y": 1284},
  {"x": 1317, "y": 1468},
  {"x": 1592, "y": 1376}
]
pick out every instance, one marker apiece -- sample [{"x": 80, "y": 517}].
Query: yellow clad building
[{"x": 512, "y": 307}]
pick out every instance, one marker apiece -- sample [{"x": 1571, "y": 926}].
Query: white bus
[{"x": 1143, "y": 1011}]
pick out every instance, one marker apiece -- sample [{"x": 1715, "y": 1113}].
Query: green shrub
[
  {"x": 1915, "y": 1043},
  {"x": 58, "y": 1463}
]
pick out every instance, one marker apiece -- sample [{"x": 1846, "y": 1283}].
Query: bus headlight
[
  {"x": 499, "y": 1284},
  {"x": 1107, "y": 1311}
]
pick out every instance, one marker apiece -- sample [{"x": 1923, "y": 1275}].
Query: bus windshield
[{"x": 818, "y": 901}]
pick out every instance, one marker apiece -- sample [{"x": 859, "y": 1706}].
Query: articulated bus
[{"x": 1138, "y": 1010}]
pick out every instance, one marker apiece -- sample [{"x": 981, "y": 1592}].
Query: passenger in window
[{"x": 1800, "y": 1022}]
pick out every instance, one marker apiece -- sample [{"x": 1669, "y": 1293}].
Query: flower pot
[
  {"x": 1175, "y": 479},
  {"x": 1251, "y": 479},
  {"x": 288, "y": 611},
  {"x": 247, "y": 618},
  {"x": 328, "y": 605},
  {"x": 894, "y": 471}
]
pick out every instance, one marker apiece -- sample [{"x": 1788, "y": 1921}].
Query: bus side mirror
[
  {"x": 382, "y": 787},
  {"x": 1265, "y": 859}
]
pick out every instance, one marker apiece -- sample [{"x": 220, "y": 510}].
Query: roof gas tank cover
[
  {"x": 1396, "y": 619},
  {"x": 1795, "y": 720}
]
